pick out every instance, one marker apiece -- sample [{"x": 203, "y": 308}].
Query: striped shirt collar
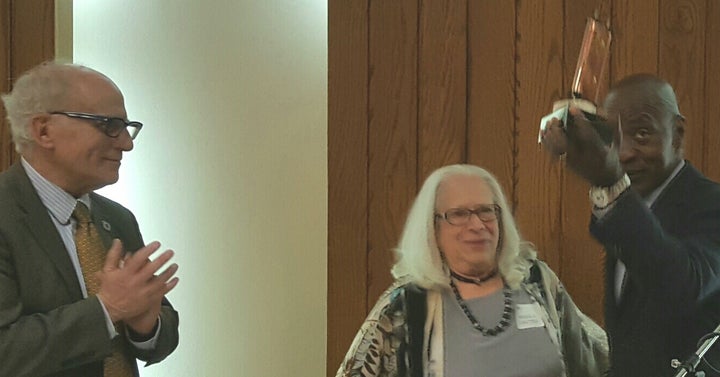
[{"x": 59, "y": 203}]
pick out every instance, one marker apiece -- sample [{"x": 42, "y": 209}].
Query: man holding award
[{"x": 658, "y": 219}]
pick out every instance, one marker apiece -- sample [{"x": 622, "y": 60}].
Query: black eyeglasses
[
  {"x": 461, "y": 216},
  {"x": 111, "y": 126}
]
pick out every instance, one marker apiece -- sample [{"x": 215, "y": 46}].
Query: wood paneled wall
[
  {"x": 417, "y": 84},
  {"x": 27, "y": 38}
]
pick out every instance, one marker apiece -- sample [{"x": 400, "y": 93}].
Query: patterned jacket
[{"x": 384, "y": 345}]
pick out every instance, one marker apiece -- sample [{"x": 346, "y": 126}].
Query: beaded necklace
[{"x": 504, "y": 320}]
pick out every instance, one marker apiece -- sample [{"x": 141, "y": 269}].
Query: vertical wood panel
[
  {"x": 441, "y": 84},
  {"x": 635, "y": 34},
  {"x": 347, "y": 175},
  {"x": 491, "y": 92},
  {"x": 581, "y": 264},
  {"x": 29, "y": 37},
  {"x": 33, "y": 33},
  {"x": 6, "y": 147},
  {"x": 540, "y": 82},
  {"x": 682, "y": 63},
  {"x": 393, "y": 132},
  {"x": 712, "y": 92}
]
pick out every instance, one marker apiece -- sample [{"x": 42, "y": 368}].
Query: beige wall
[{"x": 230, "y": 170}]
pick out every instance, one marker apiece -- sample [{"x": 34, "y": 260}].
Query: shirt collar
[
  {"x": 59, "y": 203},
  {"x": 650, "y": 199}
]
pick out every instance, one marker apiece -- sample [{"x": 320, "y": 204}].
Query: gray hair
[
  {"x": 37, "y": 91},
  {"x": 418, "y": 254}
]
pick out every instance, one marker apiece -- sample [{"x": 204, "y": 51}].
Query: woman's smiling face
[{"x": 470, "y": 249}]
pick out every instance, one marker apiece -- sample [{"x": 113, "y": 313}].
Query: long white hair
[{"x": 418, "y": 254}]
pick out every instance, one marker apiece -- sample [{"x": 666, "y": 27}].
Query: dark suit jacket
[
  {"x": 670, "y": 295},
  {"x": 47, "y": 328}
]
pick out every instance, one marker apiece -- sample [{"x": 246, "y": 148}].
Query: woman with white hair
[{"x": 470, "y": 297}]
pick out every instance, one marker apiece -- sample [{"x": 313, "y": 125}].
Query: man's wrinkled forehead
[{"x": 652, "y": 98}]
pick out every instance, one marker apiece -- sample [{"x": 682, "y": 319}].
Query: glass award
[{"x": 585, "y": 89}]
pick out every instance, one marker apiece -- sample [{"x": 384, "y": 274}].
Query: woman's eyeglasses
[{"x": 461, "y": 216}]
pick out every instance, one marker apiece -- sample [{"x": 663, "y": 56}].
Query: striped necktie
[{"x": 91, "y": 254}]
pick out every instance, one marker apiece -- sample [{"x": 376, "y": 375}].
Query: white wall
[{"x": 230, "y": 169}]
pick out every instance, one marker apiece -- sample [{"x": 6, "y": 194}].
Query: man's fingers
[
  {"x": 168, "y": 273},
  {"x": 555, "y": 122},
  {"x": 575, "y": 122},
  {"x": 588, "y": 130},
  {"x": 168, "y": 280},
  {"x": 141, "y": 257},
  {"x": 153, "y": 266},
  {"x": 553, "y": 138},
  {"x": 114, "y": 256},
  {"x": 170, "y": 285},
  {"x": 163, "y": 283}
]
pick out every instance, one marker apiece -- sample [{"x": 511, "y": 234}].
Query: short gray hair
[
  {"x": 37, "y": 91},
  {"x": 419, "y": 260}
]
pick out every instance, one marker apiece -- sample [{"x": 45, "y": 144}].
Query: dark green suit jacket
[{"x": 47, "y": 328}]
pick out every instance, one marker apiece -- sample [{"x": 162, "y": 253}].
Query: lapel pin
[{"x": 106, "y": 225}]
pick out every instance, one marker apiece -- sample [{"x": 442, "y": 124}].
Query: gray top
[{"x": 523, "y": 349}]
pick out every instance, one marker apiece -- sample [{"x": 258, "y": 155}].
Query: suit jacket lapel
[
  {"x": 672, "y": 200},
  {"x": 36, "y": 219}
]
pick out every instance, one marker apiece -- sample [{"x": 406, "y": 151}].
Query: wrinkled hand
[
  {"x": 584, "y": 150},
  {"x": 130, "y": 289}
]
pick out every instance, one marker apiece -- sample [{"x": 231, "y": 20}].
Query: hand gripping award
[{"x": 585, "y": 94}]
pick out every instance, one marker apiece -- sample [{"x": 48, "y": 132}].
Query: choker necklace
[
  {"x": 476, "y": 281},
  {"x": 504, "y": 320}
]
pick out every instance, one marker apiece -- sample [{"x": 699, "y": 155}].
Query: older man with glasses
[{"x": 79, "y": 293}]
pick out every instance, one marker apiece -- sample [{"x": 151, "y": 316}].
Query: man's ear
[
  {"x": 40, "y": 131},
  {"x": 678, "y": 131}
]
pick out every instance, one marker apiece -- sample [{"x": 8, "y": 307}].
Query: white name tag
[{"x": 528, "y": 316}]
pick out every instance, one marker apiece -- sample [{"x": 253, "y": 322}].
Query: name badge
[{"x": 528, "y": 316}]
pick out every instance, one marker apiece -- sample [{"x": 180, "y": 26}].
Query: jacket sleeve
[
  {"x": 168, "y": 337},
  {"x": 373, "y": 351},
  {"x": 584, "y": 343},
  {"x": 673, "y": 250}
]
